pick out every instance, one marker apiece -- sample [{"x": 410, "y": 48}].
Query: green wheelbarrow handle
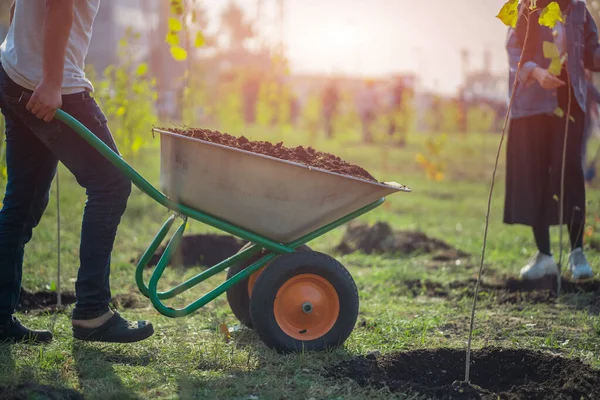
[
  {"x": 158, "y": 196},
  {"x": 273, "y": 248}
]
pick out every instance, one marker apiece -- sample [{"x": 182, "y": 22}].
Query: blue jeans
[{"x": 33, "y": 150}]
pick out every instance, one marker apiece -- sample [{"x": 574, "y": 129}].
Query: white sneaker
[
  {"x": 579, "y": 266},
  {"x": 539, "y": 266}
]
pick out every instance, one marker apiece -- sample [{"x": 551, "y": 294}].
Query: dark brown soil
[
  {"x": 32, "y": 391},
  {"x": 511, "y": 291},
  {"x": 46, "y": 301},
  {"x": 369, "y": 324},
  {"x": 43, "y": 300},
  {"x": 380, "y": 238},
  {"x": 195, "y": 250},
  {"x": 307, "y": 156},
  {"x": 495, "y": 374},
  {"x": 129, "y": 300}
]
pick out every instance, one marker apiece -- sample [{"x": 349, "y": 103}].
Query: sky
[{"x": 380, "y": 37}]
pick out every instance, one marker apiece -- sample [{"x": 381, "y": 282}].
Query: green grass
[{"x": 189, "y": 358}]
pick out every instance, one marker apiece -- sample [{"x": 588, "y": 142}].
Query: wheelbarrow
[{"x": 295, "y": 298}]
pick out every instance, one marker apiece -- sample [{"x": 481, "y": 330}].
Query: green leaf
[
  {"x": 532, "y": 4},
  {"x": 178, "y": 53},
  {"x": 200, "y": 41},
  {"x": 172, "y": 38},
  {"x": 142, "y": 69},
  {"x": 551, "y": 15},
  {"x": 175, "y": 25},
  {"x": 559, "y": 112},
  {"x": 555, "y": 67},
  {"x": 52, "y": 286},
  {"x": 550, "y": 50},
  {"x": 509, "y": 13}
]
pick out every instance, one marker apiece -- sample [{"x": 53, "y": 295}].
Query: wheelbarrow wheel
[
  {"x": 304, "y": 301},
  {"x": 238, "y": 296}
]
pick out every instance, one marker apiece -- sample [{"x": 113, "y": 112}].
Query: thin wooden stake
[
  {"x": 561, "y": 211},
  {"x": 489, "y": 207},
  {"x": 58, "y": 293}
]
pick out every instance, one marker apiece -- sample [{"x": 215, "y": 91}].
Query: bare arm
[{"x": 58, "y": 20}]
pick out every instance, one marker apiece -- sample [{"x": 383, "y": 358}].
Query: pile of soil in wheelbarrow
[
  {"x": 380, "y": 238},
  {"x": 200, "y": 250},
  {"x": 42, "y": 392},
  {"x": 46, "y": 301},
  {"x": 510, "y": 291},
  {"x": 307, "y": 156},
  {"x": 495, "y": 374}
]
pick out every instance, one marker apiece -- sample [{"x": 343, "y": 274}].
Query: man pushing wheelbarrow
[
  {"x": 42, "y": 60},
  {"x": 296, "y": 299}
]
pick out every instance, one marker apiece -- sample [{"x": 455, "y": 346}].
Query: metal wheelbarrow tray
[{"x": 295, "y": 298}]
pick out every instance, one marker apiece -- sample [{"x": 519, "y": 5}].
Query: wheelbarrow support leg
[
  {"x": 207, "y": 298},
  {"x": 160, "y": 236},
  {"x": 155, "y": 296}
]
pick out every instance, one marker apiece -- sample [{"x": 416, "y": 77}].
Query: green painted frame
[{"x": 272, "y": 248}]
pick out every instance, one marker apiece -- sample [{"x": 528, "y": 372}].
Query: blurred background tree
[{"x": 237, "y": 28}]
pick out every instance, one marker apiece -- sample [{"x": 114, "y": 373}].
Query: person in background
[
  {"x": 367, "y": 105},
  {"x": 329, "y": 104},
  {"x": 250, "y": 91},
  {"x": 591, "y": 118},
  {"x": 398, "y": 97},
  {"x": 41, "y": 71},
  {"x": 536, "y": 138}
]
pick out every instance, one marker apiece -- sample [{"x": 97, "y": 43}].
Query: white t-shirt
[{"x": 22, "y": 50}]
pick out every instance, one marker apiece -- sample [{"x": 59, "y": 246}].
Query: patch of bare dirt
[
  {"x": 129, "y": 300},
  {"x": 495, "y": 374},
  {"x": 380, "y": 238},
  {"x": 510, "y": 291},
  {"x": 46, "y": 301},
  {"x": 195, "y": 250},
  {"x": 32, "y": 391},
  {"x": 43, "y": 300}
]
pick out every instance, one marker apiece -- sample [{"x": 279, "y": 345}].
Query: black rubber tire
[
  {"x": 237, "y": 296},
  {"x": 286, "y": 267}
]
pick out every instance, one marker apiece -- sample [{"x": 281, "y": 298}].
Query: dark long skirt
[{"x": 534, "y": 166}]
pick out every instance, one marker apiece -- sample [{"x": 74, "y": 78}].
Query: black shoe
[
  {"x": 15, "y": 332},
  {"x": 116, "y": 330}
]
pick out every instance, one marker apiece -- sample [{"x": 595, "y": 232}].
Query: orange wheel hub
[
  {"x": 306, "y": 307},
  {"x": 252, "y": 280}
]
